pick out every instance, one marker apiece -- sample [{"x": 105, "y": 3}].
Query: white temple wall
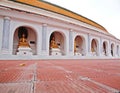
[{"x": 43, "y": 26}]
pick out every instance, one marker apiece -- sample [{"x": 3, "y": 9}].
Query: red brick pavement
[{"x": 60, "y": 76}]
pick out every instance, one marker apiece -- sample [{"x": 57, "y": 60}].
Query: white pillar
[
  {"x": 1, "y": 31},
  {"x": 5, "y": 35},
  {"x": 100, "y": 47},
  {"x": 119, "y": 50},
  {"x": 39, "y": 40},
  {"x": 88, "y": 53},
  {"x": 109, "y": 49},
  {"x": 44, "y": 40},
  {"x": 86, "y": 45},
  {"x": 116, "y": 54},
  {"x": 71, "y": 43}
]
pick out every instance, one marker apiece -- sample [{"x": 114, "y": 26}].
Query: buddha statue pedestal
[
  {"x": 55, "y": 51},
  {"x": 103, "y": 53},
  {"x": 78, "y": 54},
  {"x": 93, "y": 54},
  {"x": 24, "y": 51}
]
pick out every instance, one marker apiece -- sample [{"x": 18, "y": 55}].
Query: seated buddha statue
[
  {"x": 53, "y": 44},
  {"x": 92, "y": 49},
  {"x": 23, "y": 42},
  {"x": 75, "y": 46}
]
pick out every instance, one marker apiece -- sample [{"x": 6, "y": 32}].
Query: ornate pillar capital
[
  {"x": 71, "y": 30},
  {"x": 7, "y": 18},
  {"x": 44, "y": 24}
]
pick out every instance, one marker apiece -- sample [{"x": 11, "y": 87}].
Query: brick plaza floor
[{"x": 60, "y": 76}]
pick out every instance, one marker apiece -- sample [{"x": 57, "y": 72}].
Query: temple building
[{"x": 36, "y": 29}]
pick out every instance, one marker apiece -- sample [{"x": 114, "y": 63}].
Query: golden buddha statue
[
  {"x": 92, "y": 49},
  {"x": 23, "y": 42},
  {"x": 74, "y": 46},
  {"x": 53, "y": 44}
]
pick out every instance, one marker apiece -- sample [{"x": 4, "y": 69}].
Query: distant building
[{"x": 35, "y": 29}]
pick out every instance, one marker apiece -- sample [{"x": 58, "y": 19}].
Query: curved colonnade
[{"x": 50, "y": 36}]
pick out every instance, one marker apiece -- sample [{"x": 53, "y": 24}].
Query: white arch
[
  {"x": 32, "y": 38},
  {"x": 112, "y": 49},
  {"x": 79, "y": 44},
  {"x": 23, "y": 25},
  {"x": 60, "y": 40},
  {"x": 105, "y": 48},
  {"x": 94, "y": 47}
]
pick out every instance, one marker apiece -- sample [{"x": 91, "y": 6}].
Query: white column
[
  {"x": 5, "y": 35},
  {"x": 109, "y": 49},
  {"x": 114, "y": 50},
  {"x": 86, "y": 45},
  {"x": 44, "y": 39},
  {"x": 119, "y": 51},
  {"x": 88, "y": 53},
  {"x": 39, "y": 40},
  {"x": 71, "y": 44},
  {"x": 116, "y": 55},
  {"x": 100, "y": 47}
]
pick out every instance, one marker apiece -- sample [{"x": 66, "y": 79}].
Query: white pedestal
[
  {"x": 55, "y": 51},
  {"x": 78, "y": 54},
  {"x": 93, "y": 54},
  {"x": 116, "y": 56},
  {"x": 24, "y": 51},
  {"x": 103, "y": 54}
]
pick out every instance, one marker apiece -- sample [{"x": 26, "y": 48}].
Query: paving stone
[
  {"x": 60, "y": 76},
  {"x": 16, "y": 88},
  {"x": 57, "y": 87}
]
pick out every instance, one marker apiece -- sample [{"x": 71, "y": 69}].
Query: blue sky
[{"x": 104, "y": 12}]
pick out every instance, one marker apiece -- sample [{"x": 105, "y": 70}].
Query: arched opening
[
  {"x": 56, "y": 44},
  {"x": 112, "y": 49},
  {"x": 117, "y": 50},
  {"x": 24, "y": 38},
  {"x": 104, "y": 48},
  {"x": 79, "y": 46},
  {"x": 94, "y": 47}
]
